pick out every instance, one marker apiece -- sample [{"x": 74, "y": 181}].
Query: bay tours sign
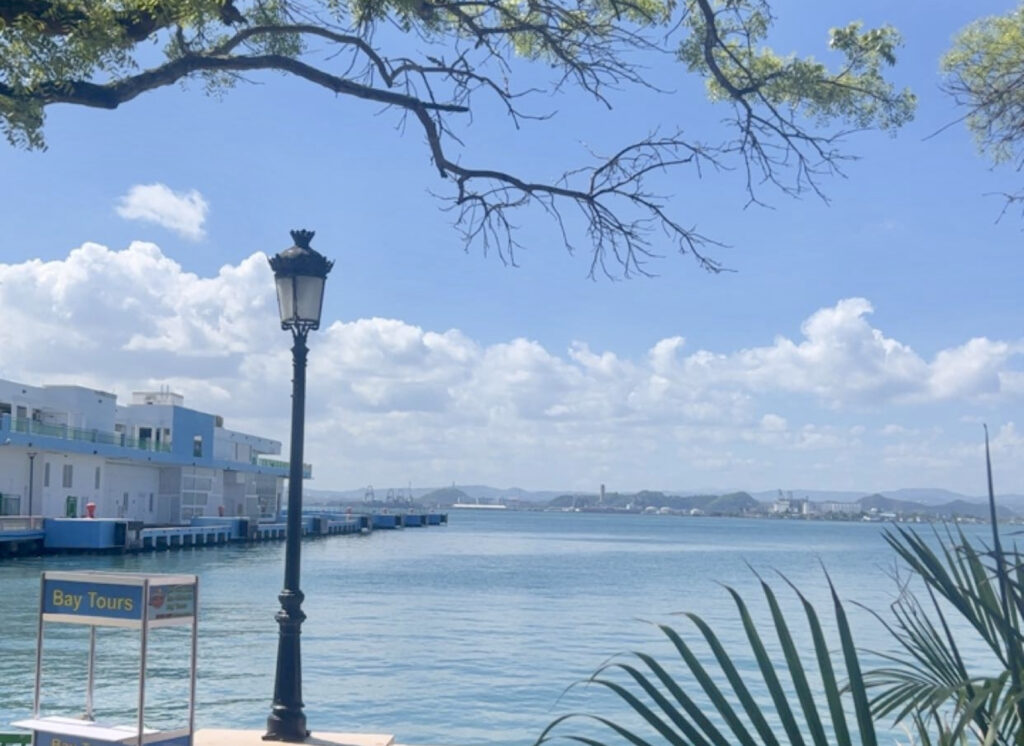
[
  {"x": 143, "y": 602},
  {"x": 70, "y": 598}
]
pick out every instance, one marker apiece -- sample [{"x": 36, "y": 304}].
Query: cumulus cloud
[
  {"x": 404, "y": 402},
  {"x": 182, "y": 212}
]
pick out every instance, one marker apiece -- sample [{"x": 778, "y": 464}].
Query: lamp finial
[{"x": 302, "y": 238}]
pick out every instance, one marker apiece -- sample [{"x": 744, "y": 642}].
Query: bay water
[{"x": 464, "y": 634}]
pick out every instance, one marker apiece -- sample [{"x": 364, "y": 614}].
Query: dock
[
  {"x": 21, "y": 536},
  {"x": 32, "y": 536}
]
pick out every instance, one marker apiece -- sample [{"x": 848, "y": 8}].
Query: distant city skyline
[{"x": 859, "y": 344}]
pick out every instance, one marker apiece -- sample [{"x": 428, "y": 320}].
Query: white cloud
[
  {"x": 182, "y": 212},
  {"x": 841, "y": 359},
  {"x": 392, "y": 399}
]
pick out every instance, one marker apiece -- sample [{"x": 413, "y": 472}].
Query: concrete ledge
[{"x": 211, "y": 737}]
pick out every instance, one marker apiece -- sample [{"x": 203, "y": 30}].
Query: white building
[{"x": 153, "y": 460}]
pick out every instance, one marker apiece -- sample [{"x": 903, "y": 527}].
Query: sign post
[{"x": 129, "y": 601}]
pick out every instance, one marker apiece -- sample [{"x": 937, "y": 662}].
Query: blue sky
[{"x": 838, "y": 355}]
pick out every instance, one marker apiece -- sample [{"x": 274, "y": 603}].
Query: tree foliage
[
  {"x": 433, "y": 61},
  {"x": 985, "y": 73}
]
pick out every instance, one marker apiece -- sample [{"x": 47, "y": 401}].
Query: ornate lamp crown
[
  {"x": 301, "y": 259},
  {"x": 302, "y": 238}
]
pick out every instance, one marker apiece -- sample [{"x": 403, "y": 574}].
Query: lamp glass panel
[
  {"x": 309, "y": 292},
  {"x": 286, "y": 298}
]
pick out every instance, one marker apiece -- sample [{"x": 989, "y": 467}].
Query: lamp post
[
  {"x": 299, "y": 273},
  {"x": 31, "y": 479}
]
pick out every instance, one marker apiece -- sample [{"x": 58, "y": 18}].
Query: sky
[{"x": 859, "y": 344}]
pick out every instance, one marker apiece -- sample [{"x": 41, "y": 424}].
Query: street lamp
[
  {"x": 299, "y": 273},
  {"x": 31, "y": 480}
]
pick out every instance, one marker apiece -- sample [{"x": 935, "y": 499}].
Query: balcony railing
[
  {"x": 33, "y": 427},
  {"x": 276, "y": 463},
  {"x": 21, "y": 523}
]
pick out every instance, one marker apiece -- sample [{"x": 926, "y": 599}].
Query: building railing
[
  {"x": 276, "y": 463},
  {"x": 21, "y": 523},
  {"x": 34, "y": 427}
]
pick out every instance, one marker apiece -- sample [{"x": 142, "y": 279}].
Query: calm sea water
[{"x": 465, "y": 634}]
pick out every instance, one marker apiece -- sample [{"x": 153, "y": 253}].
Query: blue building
[{"x": 154, "y": 460}]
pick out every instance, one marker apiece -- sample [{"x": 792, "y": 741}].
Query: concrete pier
[{"x": 33, "y": 536}]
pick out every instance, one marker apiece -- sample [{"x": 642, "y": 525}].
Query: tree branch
[{"x": 112, "y": 95}]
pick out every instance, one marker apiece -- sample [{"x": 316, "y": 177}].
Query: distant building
[
  {"x": 790, "y": 506},
  {"x": 838, "y": 508},
  {"x": 153, "y": 460}
]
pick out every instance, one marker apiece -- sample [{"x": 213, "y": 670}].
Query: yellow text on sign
[{"x": 95, "y": 601}]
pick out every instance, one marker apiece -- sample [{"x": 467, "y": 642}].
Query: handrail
[
  {"x": 21, "y": 523},
  {"x": 276, "y": 463},
  {"x": 64, "y": 432}
]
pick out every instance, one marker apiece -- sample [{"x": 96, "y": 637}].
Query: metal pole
[
  {"x": 39, "y": 647},
  {"x": 31, "y": 482},
  {"x": 142, "y": 660},
  {"x": 195, "y": 651},
  {"x": 92, "y": 673},
  {"x": 287, "y": 722}
]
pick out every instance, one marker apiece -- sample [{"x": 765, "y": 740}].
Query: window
[
  {"x": 197, "y": 446},
  {"x": 10, "y": 505},
  {"x": 68, "y": 475},
  {"x": 150, "y": 502},
  {"x": 195, "y": 493},
  {"x": 204, "y": 484},
  {"x": 46, "y": 474},
  {"x": 97, "y": 477}
]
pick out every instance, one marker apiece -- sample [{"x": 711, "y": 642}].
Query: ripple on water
[{"x": 466, "y": 634}]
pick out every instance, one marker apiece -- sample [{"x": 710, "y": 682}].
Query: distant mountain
[
  {"x": 957, "y": 507},
  {"x": 1013, "y": 502},
  {"x": 934, "y": 501},
  {"x": 936, "y": 496},
  {"x": 928, "y": 495},
  {"x": 731, "y": 504},
  {"x": 514, "y": 493},
  {"x": 482, "y": 492},
  {"x": 445, "y": 497},
  {"x": 737, "y": 502}
]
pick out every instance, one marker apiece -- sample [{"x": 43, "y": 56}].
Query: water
[{"x": 466, "y": 634}]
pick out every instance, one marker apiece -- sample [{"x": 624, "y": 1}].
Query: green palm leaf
[{"x": 718, "y": 705}]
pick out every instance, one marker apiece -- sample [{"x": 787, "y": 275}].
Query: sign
[
  {"x": 75, "y": 598},
  {"x": 171, "y": 601}
]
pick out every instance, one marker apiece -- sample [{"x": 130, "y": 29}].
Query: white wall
[
  {"x": 75, "y": 406},
  {"x": 145, "y": 415},
  {"x": 139, "y": 482},
  {"x": 51, "y": 500},
  {"x": 14, "y": 475},
  {"x": 231, "y": 445},
  {"x": 17, "y": 394},
  {"x": 85, "y": 408}
]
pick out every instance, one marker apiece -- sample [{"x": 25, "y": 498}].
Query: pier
[
  {"x": 29, "y": 536},
  {"x": 20, "y": 536}
]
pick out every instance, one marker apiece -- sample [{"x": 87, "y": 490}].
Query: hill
[
  {"x": 951, "y": 509},
  {"x": 735, "y": 503},
  {"x": 445, "y": 497}
]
